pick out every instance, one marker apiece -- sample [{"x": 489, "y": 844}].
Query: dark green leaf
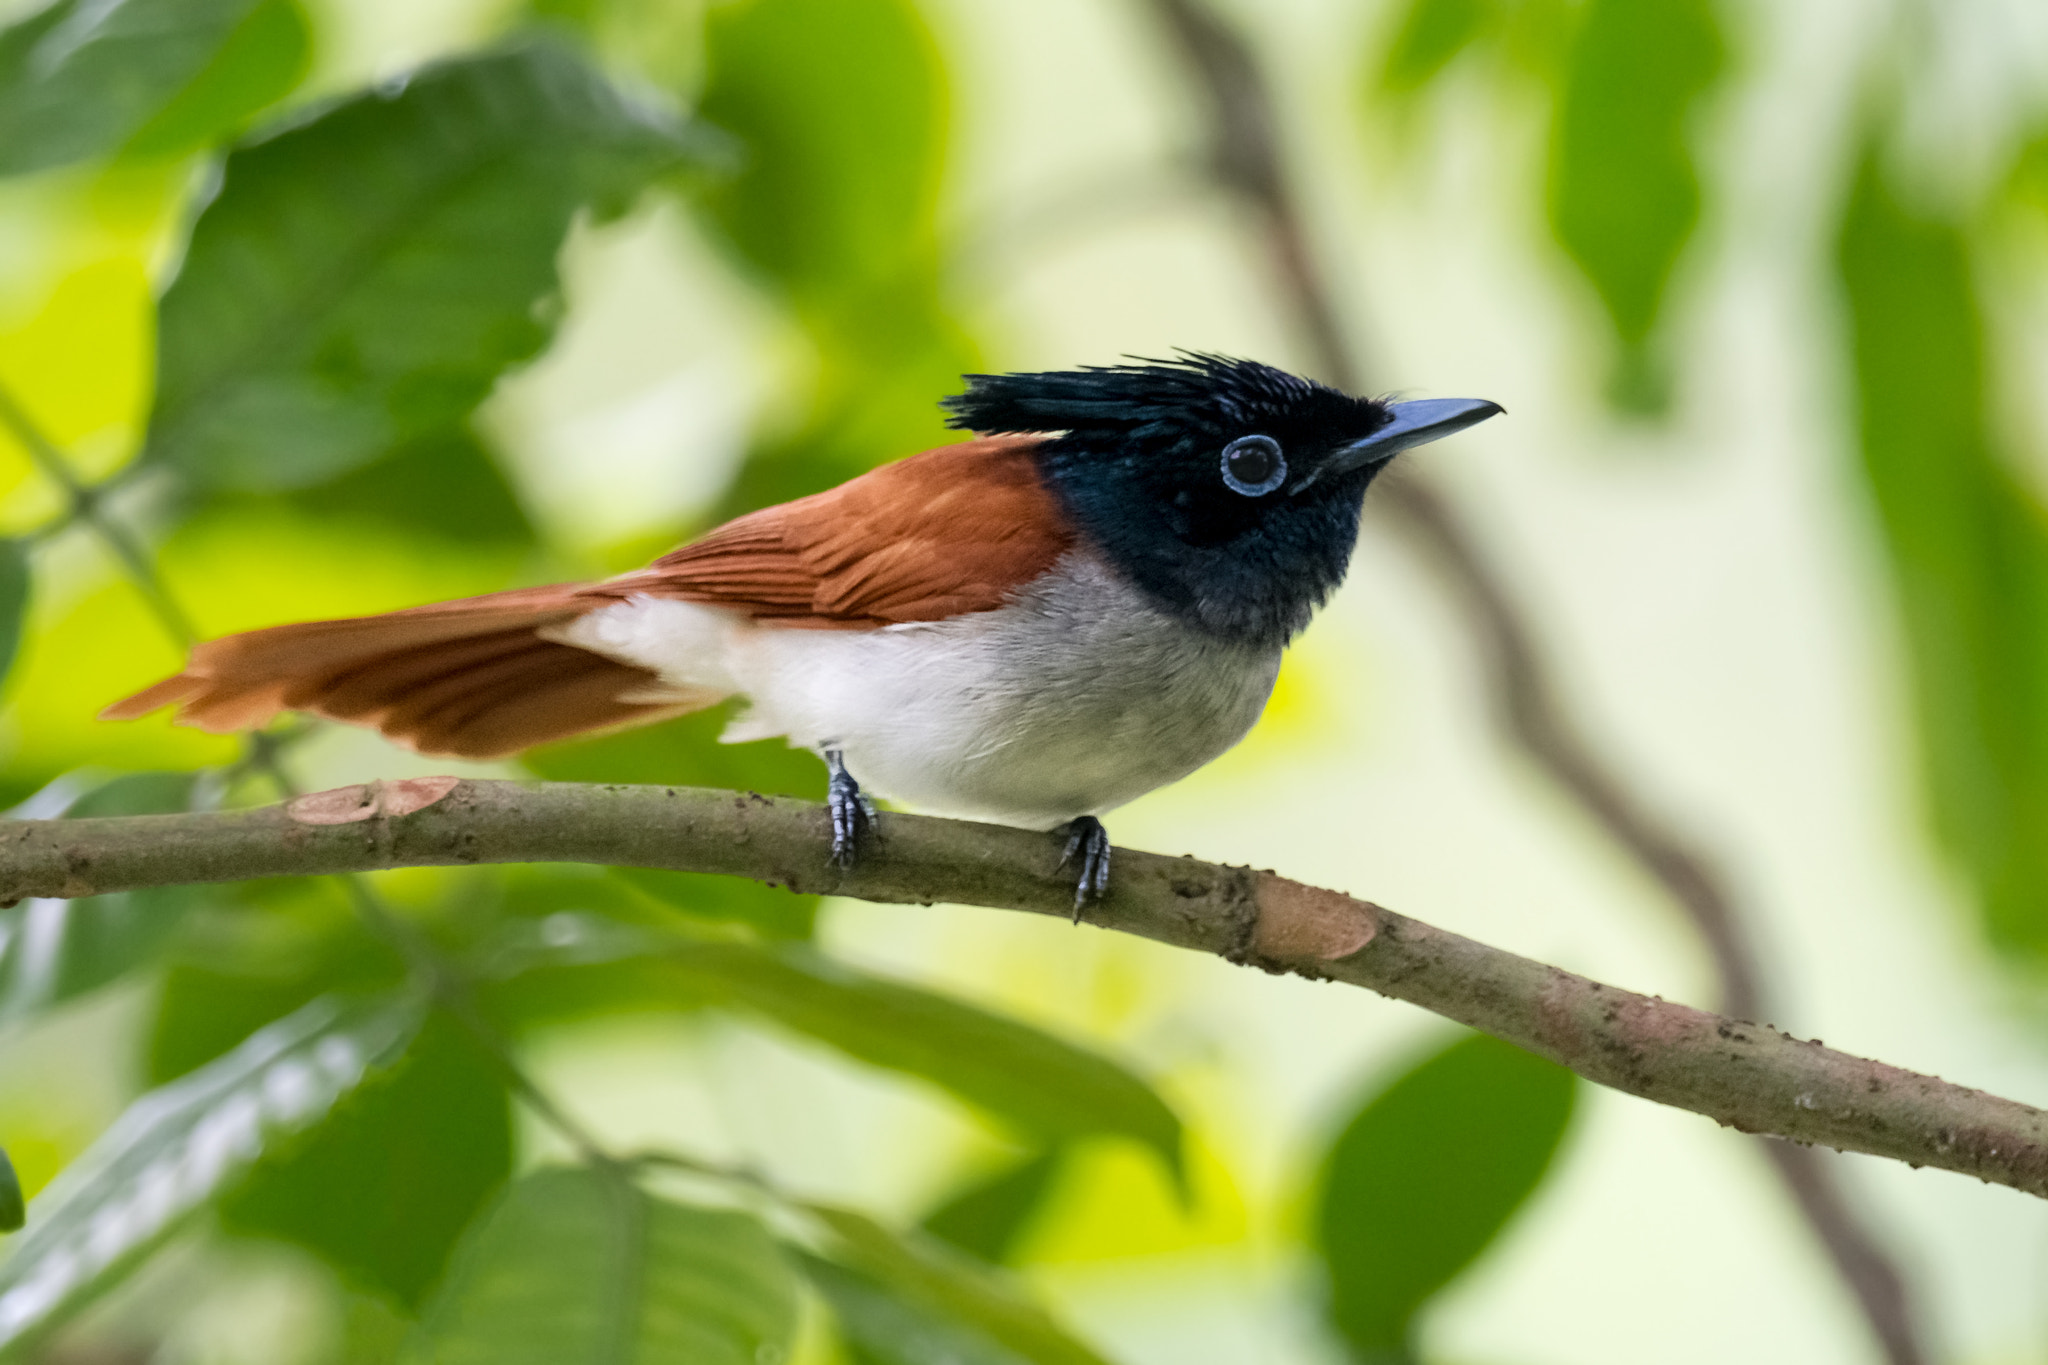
[
  {"x": 443, "y": 485},
  {"x": 258, "y": 951},
  {"x": 14, "y": 585},
  {"x": 940, "y": 1285},
  {"x": 686, "y": 752},
  {"x": 181, "y": 1144},
  {"x": 988, "y": 1219},
  {"x": 364, "y": 279},
  {"x": 882, "y": 1329},
  {"x": 384, "y": 1188},
  {"x": 1624, "y": 192},
  {"x": 54, "y": 950},
  {"x": 13, "y": 1212},
  {"x": 574, "y": 1266},
  {"x": 1425, "y": 1176},
  {"x": 838, "y": 105},
  {"x": 1967, "y": 542},
  {"x": 1048, "y": 1088},
  {"x": 262, "y": 61},
  {"x": 79, "y": 78},
  {"x": 1431, "y": 35}
]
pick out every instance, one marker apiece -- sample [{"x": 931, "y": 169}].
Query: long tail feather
[{"x": 473, "y": 678}]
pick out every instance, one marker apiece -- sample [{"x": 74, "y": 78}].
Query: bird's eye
[{"x": 1254, "y": 466}]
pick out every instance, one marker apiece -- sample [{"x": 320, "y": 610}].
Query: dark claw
[
  {"x": 853, "y": 814},
  {"x": 1090, "y": 841}
]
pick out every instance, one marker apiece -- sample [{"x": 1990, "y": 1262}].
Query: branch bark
[
  {"x": 1246, "y": 159},
  {"x": 1744, "y": 1075}
]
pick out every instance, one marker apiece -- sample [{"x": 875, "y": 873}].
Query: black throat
[{"x": 1253, "y": 580}]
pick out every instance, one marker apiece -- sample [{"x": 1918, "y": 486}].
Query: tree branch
[
  {"x": 1744, "y": 1075},
  {"x": 1246, "y": 159}
]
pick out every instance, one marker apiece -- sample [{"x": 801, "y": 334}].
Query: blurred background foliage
[{"x": 304, "y": 310}]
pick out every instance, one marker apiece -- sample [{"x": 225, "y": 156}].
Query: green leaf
[
  {"x": 1624, "y": 191},
  {"x": 54, "y": 950},
  {"x": 362, "y": 280},
  {"x": 13, "y": 1212},
  {"x": 1967, "y": 543},
  {"x": 686, "y": 752},
  {"x": 1047, "y": 1087},
  {"x": 14, "y": 585},
  {"x": 441, "y": 486},
  {"x": 383, "y": 1189},
  {"x": 839, "y": 107},
  {"x": 937, "y": 1283},
  {"x": 988, "y": 1218},
  {"x": 1431, "y": 35},
  {"x": 578, "y": 1267},
  {"x": 79, "y": 78},
  {"x": 1425, "y": 1176},
  {"x": 884, "y": 1329},
  {"x": 181, "y": 1144},
  {"x": 263, "y": 59}
]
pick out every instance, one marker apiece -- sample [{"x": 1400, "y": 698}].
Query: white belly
[{"x": 1072, "y": 700}]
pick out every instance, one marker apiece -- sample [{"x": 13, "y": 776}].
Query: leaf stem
[{"x": 88, "y": 507}]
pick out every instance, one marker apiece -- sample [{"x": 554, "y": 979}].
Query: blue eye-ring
[{"x": 1254, "y": 466}]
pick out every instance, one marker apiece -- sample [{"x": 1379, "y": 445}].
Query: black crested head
[{"x": 1227, "y": 490}]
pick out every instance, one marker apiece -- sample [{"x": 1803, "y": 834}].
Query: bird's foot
[
  {"x": 1087, "y": 842},
  {"x": 853, "y": 814}
]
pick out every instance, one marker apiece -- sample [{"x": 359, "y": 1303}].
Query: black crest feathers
[{"x": 1195, "y": 392}]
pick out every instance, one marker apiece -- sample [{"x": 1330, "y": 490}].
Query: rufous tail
[{"x": 471, "y": 678}]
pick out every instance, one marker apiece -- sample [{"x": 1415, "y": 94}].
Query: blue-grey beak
[{"x": 1416, "y": 422}]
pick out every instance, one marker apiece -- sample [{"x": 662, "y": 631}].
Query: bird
[{"x": 1087, "y": 600}]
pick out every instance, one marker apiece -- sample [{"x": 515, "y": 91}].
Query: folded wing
[{"x": 953, "y": 530}]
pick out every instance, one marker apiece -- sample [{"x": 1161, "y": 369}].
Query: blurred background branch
[{"x": 1247, "y": 160}]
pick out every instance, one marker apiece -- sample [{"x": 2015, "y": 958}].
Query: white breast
[{"x": 1071, "y": 700}]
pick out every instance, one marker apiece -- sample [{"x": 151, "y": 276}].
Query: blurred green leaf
[
  {"x": 78, "y": 78},
  {"x": 263, "y": 60},
  {"x": 383, "y": 1189},
  {"x": 13, "y": 1212},
  {"x": 362, "y": 280},
  {"x": 839, "y": 106},
  {"x": 1047, "y": 1087},
  {"x": 1624, "y": 191},
  {"x": 181, "y": 1144},
  {"x": 136, "y": 794},
  {"x": 1968, "y": 547},
  {"x": 989, "y": 1217},
  {"x": 1425, "y": 1176},
  {"x": 14, "y": 586},
  {"x": 1430, "y": 36},
  {"x": 686, "y": 752},
  {"x": 577, "y": 1266},
  {"x": 774, "y": 912},
  {"x": 55, "y": 950},
  {"x": 880, "y": 1328},
  {"x": 255, "y": 952},
  {"x": 442, "y": 485},
  {"x": 933, "y": 1282}
]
